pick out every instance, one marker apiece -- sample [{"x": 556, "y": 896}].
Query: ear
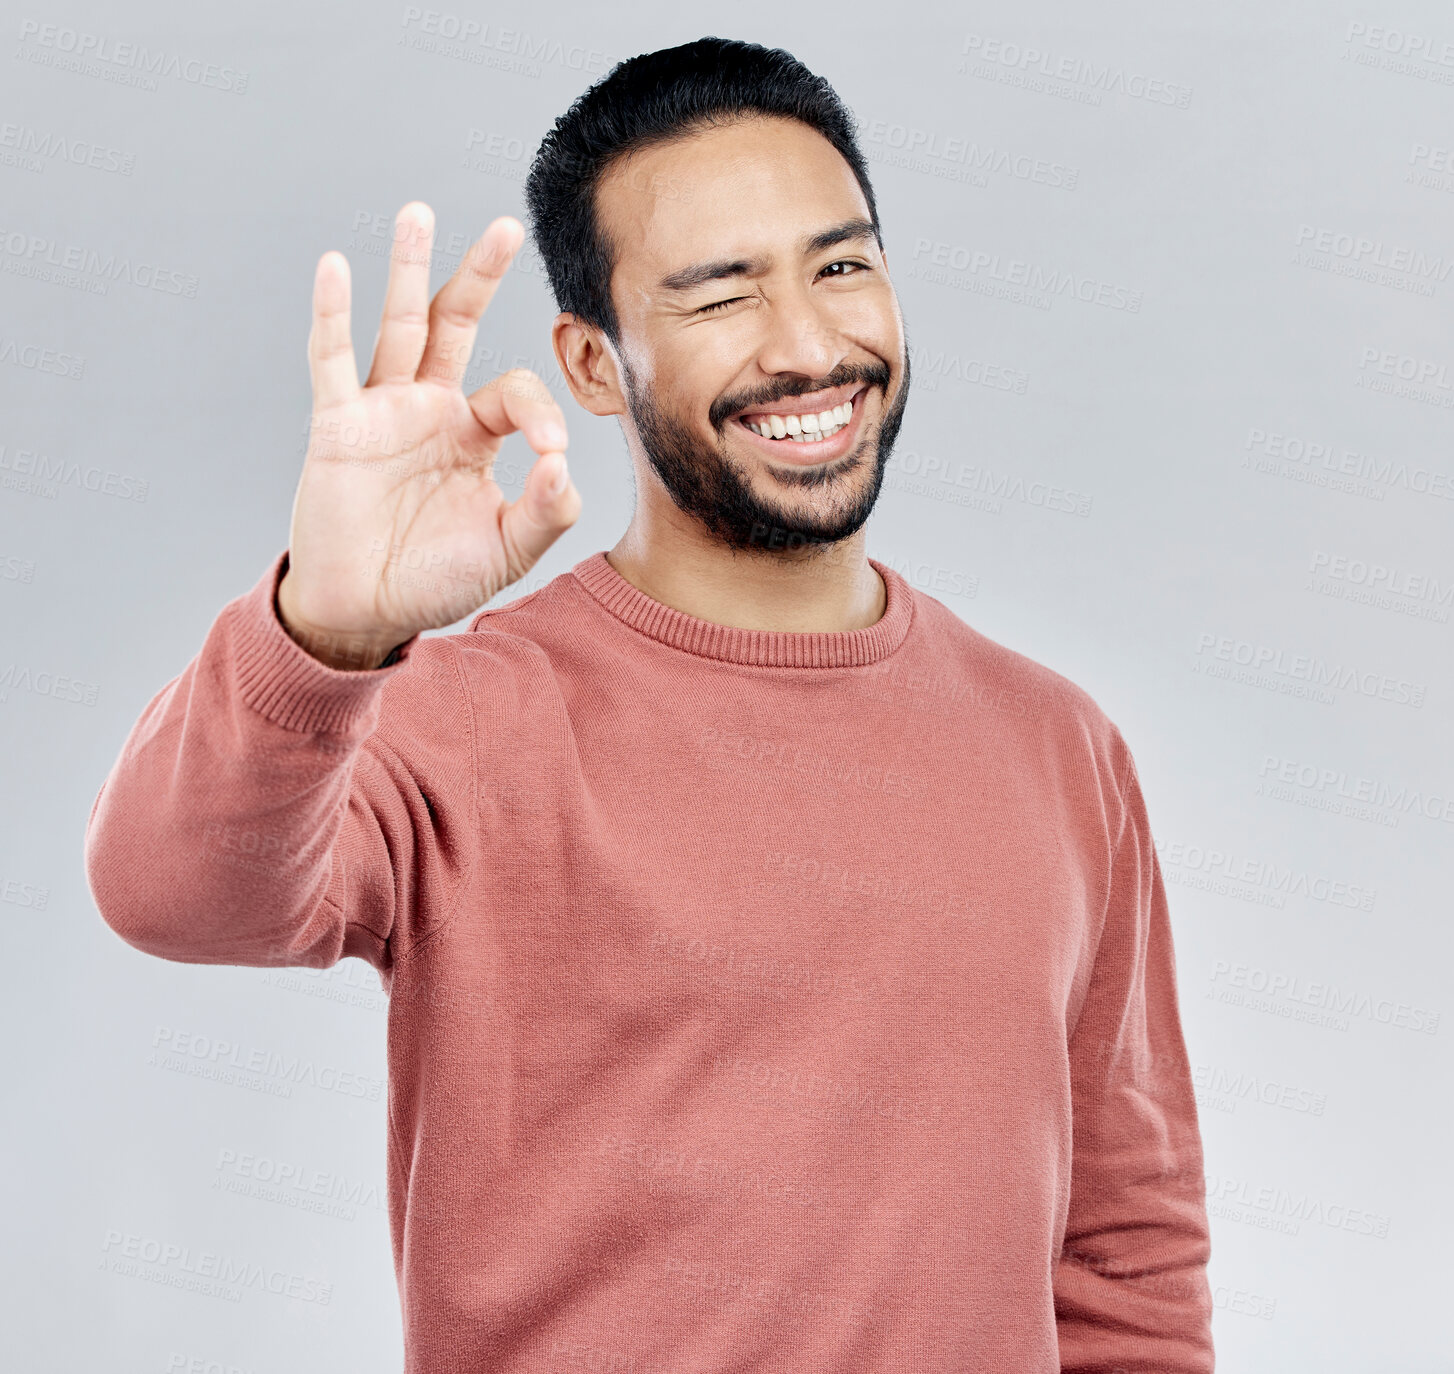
[{"x": 588, "y": 365}]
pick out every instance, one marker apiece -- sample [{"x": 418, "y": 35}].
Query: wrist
[{"x": 341, "y": 650}]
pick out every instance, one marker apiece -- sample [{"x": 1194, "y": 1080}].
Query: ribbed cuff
[{"x": 282, "y": 681}]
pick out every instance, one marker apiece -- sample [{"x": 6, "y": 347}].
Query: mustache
[{"x": 875, "y": 374}]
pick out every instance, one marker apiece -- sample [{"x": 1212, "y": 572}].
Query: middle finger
[{"x": 454, "y": 314}]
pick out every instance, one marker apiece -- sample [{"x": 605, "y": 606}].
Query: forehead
[{"x": 749, "y": 188}]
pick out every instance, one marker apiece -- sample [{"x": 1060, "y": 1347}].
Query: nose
[{"x": 799, "y": 336}]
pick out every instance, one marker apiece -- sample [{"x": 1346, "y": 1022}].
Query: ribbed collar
[{"x": 760, "y": 648}]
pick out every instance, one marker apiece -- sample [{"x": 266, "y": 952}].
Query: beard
[{"x": 706, "y": 483}]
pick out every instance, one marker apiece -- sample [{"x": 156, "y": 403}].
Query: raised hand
[{"x": 398, "y": 525}]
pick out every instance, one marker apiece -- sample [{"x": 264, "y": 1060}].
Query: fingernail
[
  {"x": 557, "y": 483},
  {"x": 554, "y": 434}
]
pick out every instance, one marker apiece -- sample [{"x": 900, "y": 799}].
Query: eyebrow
[{"x": 700, "y": 273}]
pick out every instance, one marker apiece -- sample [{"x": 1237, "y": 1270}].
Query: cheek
[
  {"x": 872, "y": 322},
  {"x": 678, "y": 376},
  {"x": 889, "y": 319},
  {"x": 694, "y": 375}
]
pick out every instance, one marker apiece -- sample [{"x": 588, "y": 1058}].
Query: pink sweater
[{"x": 759, "y": 1001}]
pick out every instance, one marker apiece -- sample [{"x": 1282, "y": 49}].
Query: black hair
[{"x": 648, "y": 100}]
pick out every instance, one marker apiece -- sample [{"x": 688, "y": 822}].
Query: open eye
[{"x": 849, "y": 262}]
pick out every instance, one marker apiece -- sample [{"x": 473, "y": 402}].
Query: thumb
[{"x": 547, "y": 507}]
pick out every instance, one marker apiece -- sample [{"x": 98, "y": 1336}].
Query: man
[{"x": 780, "y": 970}]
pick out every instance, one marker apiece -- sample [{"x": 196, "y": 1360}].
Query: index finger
[
  {"x": 454, "y": 314},
  {"x": 330, "y": 341}
]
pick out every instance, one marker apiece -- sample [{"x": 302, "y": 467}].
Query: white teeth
[{"x": 803, "y": 429}]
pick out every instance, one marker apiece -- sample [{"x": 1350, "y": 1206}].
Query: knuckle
[
  {"x": 442, "y": 312},
  {"x": 523, "y": 384}
]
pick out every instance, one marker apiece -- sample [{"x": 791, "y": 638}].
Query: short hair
[{"x": 653, "y": 99}]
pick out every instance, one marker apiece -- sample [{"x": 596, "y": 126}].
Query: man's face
[{"x": 730, "y": 312}]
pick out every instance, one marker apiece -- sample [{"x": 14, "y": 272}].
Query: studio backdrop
[{"x": 1177, "y": 283}]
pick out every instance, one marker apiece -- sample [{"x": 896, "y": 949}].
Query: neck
[{"x": 823, "y": 587}]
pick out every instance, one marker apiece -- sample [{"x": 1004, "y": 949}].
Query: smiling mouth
[{"x": 804, "y": 428}]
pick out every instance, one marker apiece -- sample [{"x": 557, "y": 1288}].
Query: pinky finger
[{"x": 330, "y": 342}]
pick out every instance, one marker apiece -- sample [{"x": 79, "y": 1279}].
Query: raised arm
[
  {"x": 283, "y": 800},
  {"x": 268, "y": 809}
]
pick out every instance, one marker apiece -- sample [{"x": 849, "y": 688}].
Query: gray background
[{"x": 1233, "y": 414}]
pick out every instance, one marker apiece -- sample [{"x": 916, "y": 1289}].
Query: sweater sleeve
[
  {"x": 266, "y": 809},
  {"x": 1131, "y": 1289}
]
